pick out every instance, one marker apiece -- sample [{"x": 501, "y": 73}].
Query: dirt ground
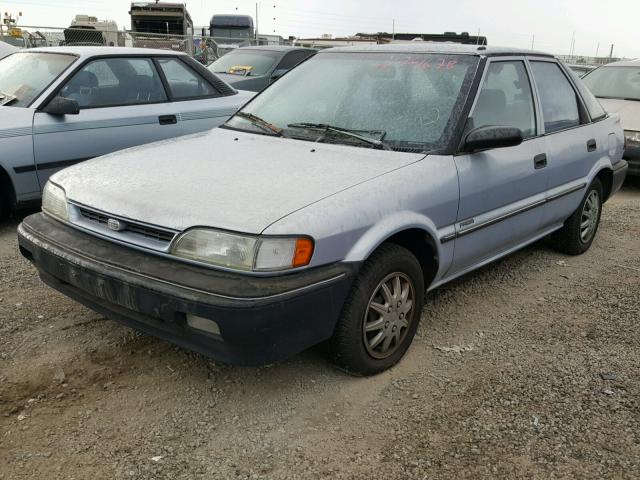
[{"x": 528, "y": 368}]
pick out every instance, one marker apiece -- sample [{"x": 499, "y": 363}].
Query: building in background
[
  {"x": 327, "y": 41},
  {"x": 447, "y": 37}
]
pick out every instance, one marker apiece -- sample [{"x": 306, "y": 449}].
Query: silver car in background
[
  {"x": 326, "y": 206},
  {"x": 617, "y": 86},
  {"x": 60, "y": 106}
]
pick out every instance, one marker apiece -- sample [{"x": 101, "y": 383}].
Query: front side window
[
  {"x": 184, "y": 82},
  {"x": 559, "y": 100},
  {"x": 615, "y": 82},
  {"x": 408, "y": 101},
  {"x": 24, "y": 76},
  {"x": 112, "y": 82},
  {"x": 505, "y": 99}
]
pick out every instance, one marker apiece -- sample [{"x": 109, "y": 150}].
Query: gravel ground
[{"x": 525, "y": 369}]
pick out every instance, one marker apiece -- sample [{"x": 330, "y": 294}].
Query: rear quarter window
[{"x": 596, "y": 112}]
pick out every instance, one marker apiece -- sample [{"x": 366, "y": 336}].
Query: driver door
[{"x": 122, "y": 102}]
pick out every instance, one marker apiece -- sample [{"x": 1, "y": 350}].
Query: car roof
[
  {"x": 84, "y": 51},
  {"x": 437, "y": 47},
  {"x": 624, "y": 63},
  {"x": 273, "y": 48}
]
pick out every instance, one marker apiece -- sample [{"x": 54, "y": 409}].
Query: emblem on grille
[{"x": 115, "y": 225}]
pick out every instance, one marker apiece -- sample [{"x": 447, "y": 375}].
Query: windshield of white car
[
  {"x": 26, "y": 75},
  {"x": 415, "y": 99},
  {"x": 247, "y": 62},
  {"x": 615, "y": 82}
]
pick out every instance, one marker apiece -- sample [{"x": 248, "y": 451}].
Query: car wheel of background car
[
  {"x": 580, "y": 229},
  {"x": 381, "y": 314}
]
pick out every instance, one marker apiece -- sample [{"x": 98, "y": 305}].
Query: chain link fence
[{"x": 203, "y": 48}]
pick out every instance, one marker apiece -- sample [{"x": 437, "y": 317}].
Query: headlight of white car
[
  {"x": 54, "y": 201},
  {"x": 631, "y": 139},
  {"x": 244, "y": 252}
]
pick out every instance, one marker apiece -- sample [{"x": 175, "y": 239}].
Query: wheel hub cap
[
  {"x": 389, "y": 315},
  {"x": 589, "y": 217}
]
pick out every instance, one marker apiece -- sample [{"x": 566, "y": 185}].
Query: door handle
[
  {"x": 540, "y": 161},
  {"x": 592, "y": 145},
  {"x": 167, "y": 120}
]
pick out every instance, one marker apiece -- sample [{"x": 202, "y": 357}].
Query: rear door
[
  {"x": 123, "y": 103},
  {"x": 501, "y": 190},
  {"x": 573, "y": 143}
]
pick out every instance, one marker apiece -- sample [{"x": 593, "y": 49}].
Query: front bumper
[
  {"x": 260, "y": 319},
  {"x": 632, "y": 155}
]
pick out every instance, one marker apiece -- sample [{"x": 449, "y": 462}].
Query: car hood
[
  {"x": 629, "y": 111},
  {"x": 222, "y": 178}
]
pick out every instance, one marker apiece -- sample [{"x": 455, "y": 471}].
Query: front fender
[{"x": 398, "y": 222}]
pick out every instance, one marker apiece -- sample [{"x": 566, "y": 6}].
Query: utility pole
[
  {"x": 611, "y": 53},
  {"x": 597, "y": 49},
  {"x": 256, "y": 21},
  {"x": 573, "y": 42},
  {"x": 533, "y": 41},
  {"x": 393, "y": 31}
]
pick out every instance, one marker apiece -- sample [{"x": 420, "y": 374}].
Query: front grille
[{"x": 154, "y": 233}]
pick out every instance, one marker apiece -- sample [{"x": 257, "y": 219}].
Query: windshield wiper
[
  {"x": 351, "y": 133},
  {"x": 261, "y": 123}
]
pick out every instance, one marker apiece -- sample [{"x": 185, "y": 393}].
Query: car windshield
[
  {"x": 406, "y": 101},
  {"x": 25, "y": 75},
  {"x": 245, "y": 62},
  {"x": 615, "y": 82}
]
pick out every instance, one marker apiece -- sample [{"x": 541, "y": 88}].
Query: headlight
[
  {"x": 631, "y": 139},
  {"x": 243, "y": 252},
  {"x": 54, "y": 201}
]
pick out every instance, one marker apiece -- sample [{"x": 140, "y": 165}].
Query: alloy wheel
[
  {"x": 388, "y": 315},
  {"x": 590, "y": 216}
]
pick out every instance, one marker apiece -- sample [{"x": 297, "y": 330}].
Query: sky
[{"x": 548, "y": 25}]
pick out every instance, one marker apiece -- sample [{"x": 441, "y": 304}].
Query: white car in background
[
  {"x": 63, "y": 105},
  {"x": 617, "y": 86}
]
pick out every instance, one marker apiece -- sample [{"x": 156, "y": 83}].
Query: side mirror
[
  {"x": 62, "y": 106},
  {"x": 278, "y": 73},
  {"x": 485, "y": 138}
]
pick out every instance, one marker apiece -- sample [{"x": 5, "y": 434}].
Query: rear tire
[
  {"x": 381, "y": 314},
  {"x": 578, "y": 232},
  {"x": 5, "y": 204}
]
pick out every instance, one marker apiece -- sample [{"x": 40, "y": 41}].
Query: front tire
[
  {"x": 578, "y": 232},
  {"x": 381, "y": 314}
]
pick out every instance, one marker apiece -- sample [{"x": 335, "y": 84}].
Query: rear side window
[
  {"x": 505, "y": 99},
  {"x": 184, "y": 82},
  {"x": 559, "y": 100},
  {"x": 596, "y": 111},
  {"x": 292, "y": 59}
]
